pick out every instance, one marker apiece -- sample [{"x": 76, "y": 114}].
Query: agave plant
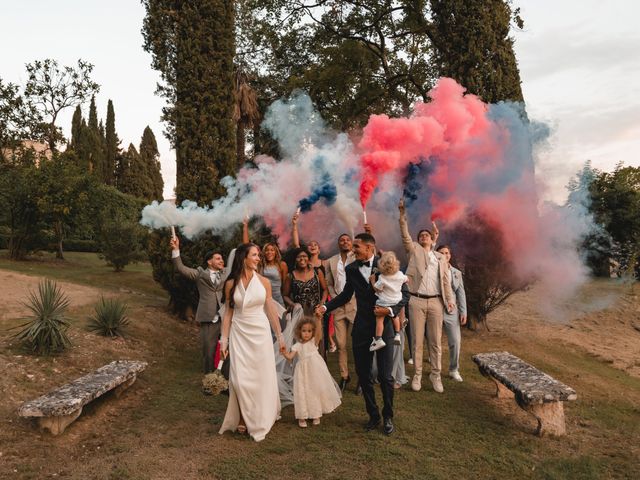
[
  {"x": 46, "y": 329},
  {"x": 110, "y": 318}
]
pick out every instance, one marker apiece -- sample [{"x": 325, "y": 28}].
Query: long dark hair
[{"x": 242, "y": 252}]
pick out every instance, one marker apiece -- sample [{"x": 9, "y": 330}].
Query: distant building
[{"x": 40, "y": 148}]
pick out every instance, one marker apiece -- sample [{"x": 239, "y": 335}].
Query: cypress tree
[
  {"x": 151, "y": 158},
  {"x": 112, "y": 145},
  {"x": 76, "y": 126},
  {"x": 93, "y": 114},
  {"x": 136, "y": 179},
  {"x": 473, "y": 46},
  {"x": 193, "y": 44}
]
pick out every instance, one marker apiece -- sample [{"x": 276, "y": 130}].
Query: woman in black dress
[{"x": 305, "y": 285}]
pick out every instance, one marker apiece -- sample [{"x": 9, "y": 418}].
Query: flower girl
[{"x": 314, "y": 390}]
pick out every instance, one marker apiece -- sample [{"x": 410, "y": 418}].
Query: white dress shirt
[
  {"x": 430, "y": 284},
  {"x": 341, "y": 276},
  {"x": 366, "y": 270}
]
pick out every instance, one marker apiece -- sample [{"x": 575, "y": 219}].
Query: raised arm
[
  {"x": 190, "y": 273},
  {"x": 295, "y": 238},
  {"x": 245, "y": 229},
  {"x": 404, "y": 228},
  {"x": 436, "y": 234}
]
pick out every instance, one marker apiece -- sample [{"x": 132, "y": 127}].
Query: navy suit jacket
[{"x": 364, "y": 325}]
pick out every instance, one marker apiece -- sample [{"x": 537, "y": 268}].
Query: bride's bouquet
[{"x": 214, "y": 383}]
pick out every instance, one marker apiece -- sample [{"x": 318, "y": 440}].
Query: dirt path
[{"x": 15, "y": 290}]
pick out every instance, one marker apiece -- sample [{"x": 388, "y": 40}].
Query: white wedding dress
[{"x": 253, "y": 386}]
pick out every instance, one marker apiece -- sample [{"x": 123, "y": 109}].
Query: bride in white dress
[{"x": 254, "y": 401}]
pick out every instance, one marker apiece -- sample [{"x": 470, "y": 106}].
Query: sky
[{"x": 578, "y": 60}]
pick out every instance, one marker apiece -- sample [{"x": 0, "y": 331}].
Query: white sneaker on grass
[{"x": 455, "y": 375}]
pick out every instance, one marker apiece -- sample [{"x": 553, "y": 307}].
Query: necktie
[{"x": 363, "y": 264}]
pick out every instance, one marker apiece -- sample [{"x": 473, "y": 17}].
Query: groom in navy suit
[{"x": 364, "y": 326}]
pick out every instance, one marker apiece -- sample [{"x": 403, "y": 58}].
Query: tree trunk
[
  {"x": 58, "y": 230},
  {"x": 240, "y": 145},
  {"x": 16, "y": 252}
]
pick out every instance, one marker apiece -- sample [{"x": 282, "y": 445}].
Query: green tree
[
  {"x": 93, "y": 114},
  {"x": 151, "y": 158},
  {"x": 121, "y": 243},
  {"x": 616, "y": 206},
  {"x": 135, "y": 179},
  {"x": 18, "y": 194},
  {"x": 354, "y": 58},
  {"x": 76, "y": 128},
  {"x": 112, "y": 145},
  {"x": 19, "y": 119},
  {"x": 192, "y": 45},
  {"x": 52, "y": 88},
  {"x": 62, "y": 193},
  {"x": 473, "y": 46}
]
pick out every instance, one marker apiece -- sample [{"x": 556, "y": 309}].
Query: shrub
[
  {"x": 121, "y": 243},
  {"x": 45, "y": 331},
  {"x": 110, "y": 318}
]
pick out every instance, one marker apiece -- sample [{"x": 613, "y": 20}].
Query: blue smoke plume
[{"x": 324, "y": 187}]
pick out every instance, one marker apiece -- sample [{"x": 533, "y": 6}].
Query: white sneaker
[
  {"x": 436, "y": 382},
  {"x": 377, "y": 344},
  {"x": 396, "y": 339},
  {"x": 410, "y": 362},
  {"x": 416, "y": 383},
  {"x": 455, "y": 375}
]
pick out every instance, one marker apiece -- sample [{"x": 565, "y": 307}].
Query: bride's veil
[{"x": 284, "y": 368}]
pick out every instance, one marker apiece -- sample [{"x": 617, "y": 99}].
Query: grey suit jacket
[
  {"x": 458, "y": 289},
  {"x": 210, "y": 293}
]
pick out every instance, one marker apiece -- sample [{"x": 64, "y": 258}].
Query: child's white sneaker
[
  {"x": 377, "y": 344},
  {"x": 396, "y": 339}
]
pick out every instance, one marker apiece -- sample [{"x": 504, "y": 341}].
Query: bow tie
[{"x": 363, "y": 264}]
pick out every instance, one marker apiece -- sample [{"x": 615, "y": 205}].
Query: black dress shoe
[
  {"x": 372, "y": 424},
  {"x": 388, "y": 426},
  {"x": 343, "y": 383},
  {"x": 358, "y": 390}
]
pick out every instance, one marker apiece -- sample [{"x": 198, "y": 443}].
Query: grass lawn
[{"x": 163, "y": 427}]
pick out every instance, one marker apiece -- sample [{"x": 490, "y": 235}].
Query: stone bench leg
[
  {"x": 122, "y": 387},
  {"x": 501, "y": 390},
  {"x": 57, "y": 425},
  {"x": 550, "y": 418}
]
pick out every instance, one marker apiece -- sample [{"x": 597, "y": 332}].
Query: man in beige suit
[
  {"x": 430, "y": 289},
  {"x": 210, "y": 283},
  {"x": 342, "y": 316}
]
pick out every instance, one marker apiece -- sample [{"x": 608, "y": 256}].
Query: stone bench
[
  {"x": 534, "y": 391},
  {"x": 60, "y": 407}
]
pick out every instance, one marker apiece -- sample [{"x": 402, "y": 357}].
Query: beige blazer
[
  {"x": 331, "y": 271},
  {"x": 418, "y": 262}
]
